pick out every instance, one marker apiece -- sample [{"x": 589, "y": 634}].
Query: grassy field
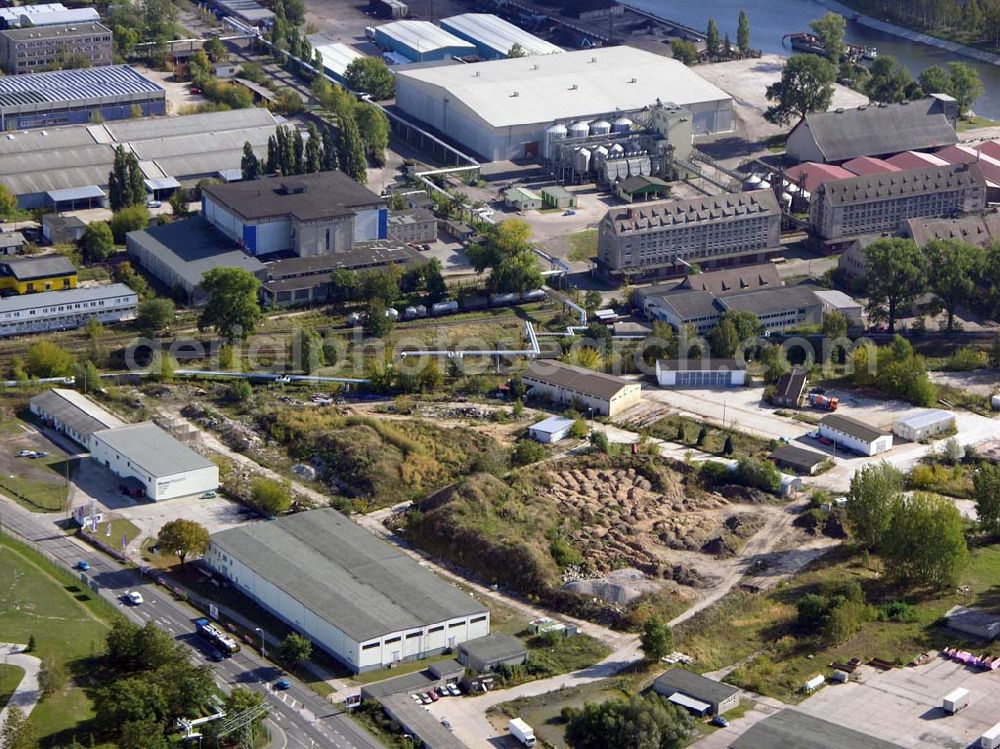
[
  {"x": 10, "y": 677},
  {"x": 758, "y": 632},
  {"x": 583, "y": 245},
  {"x": 743, "y": 443},
  {"x": 69, "y": 625},
  {"x": 119, "y": 527},
  {"x": 970, "y": 123}
]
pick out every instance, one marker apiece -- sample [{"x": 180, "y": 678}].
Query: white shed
[
  {"x": 551, "y": 429},
  {"x": 924, "y": 424},
  {"x": 854, "y": 435}
]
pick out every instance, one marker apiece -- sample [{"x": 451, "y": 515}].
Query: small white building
[
  {"x": 166, "y": 467},
  {"x": 552, "y": 429},
  {"x": 64, "y": 310},
  {"x": 854, "y": 435},
  {"x": 924, "y": 424},
  {"x": 838, "y": 301}
]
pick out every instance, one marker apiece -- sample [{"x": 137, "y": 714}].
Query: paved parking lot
[
  {"x": 904, "y": 705},
  {"x": 216, "y": 514}
]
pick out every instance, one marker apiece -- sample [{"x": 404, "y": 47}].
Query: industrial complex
[
  {"x": 503, "y": 109},
  {"x": 354, "y": 595}
]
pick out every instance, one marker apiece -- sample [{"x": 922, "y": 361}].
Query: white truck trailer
[
  {"x": 522, "y": 731},
  {"x": 990, "y": 739},
  {"x": 955, "y": 701}
]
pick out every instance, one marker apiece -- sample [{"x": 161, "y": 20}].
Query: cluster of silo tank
[
  {"x": 792, "y": 197},
  {"x": 629, "y": 160},
  {"x": 582, "y": 129}
]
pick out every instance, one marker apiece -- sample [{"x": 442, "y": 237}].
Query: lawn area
[
  {"x": 38, "y": 483},
  {"x": 715, "y": 441},
  {"x": 759, "y": 631},
  {"x": 970, "y": 123},
  {"x": 119, "y": 527},
  {"x": 10, "y": 677},
  {"x": 69, "y": 626},
  {"x": 583, "y": 245}
]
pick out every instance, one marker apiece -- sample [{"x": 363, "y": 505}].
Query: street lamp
[
  {"x": 590, "y": 415},
  {"x": 260, "y": 631}
]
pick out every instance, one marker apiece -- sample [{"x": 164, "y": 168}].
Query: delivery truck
[
  {"x": 955, "y": 701},
  {"x": 990, "y": 739},
  {"x": 522, "y": 731}
]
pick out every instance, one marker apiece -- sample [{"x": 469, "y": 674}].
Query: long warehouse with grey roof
[
  {"x": 366, "y": 603},
  {"x": 39, "y": 166},
  {"x": 67, "y": 97},
  {"x": 502, "y": 109}
]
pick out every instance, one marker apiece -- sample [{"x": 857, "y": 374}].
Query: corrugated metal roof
[
  {"x": 852, "y": 427},
  {"x": 76, "y": 411},
  {"x": 63, "y": 86},
  {"x": 926, "y": 418},
  {"x": 76, "y": 193},
  {"x": 161, "y": 183},
  {"x": 23, "y": 302},
  {"x": 345, "y": 575},
  {"x": 568, "y": 86},
  {"x": 71, "y": 15},
  {"x": 421, "y": 36},
  {"x": 152, "y": 449},
  {"x": 336, "y": 55},
  {"x": 497, "y": 34},
  {"x": 596, "y": 384}
]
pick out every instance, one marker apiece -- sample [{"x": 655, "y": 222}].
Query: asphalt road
[{"x": 299, "y": 719}]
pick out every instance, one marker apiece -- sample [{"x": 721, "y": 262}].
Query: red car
[
  {"x": 433, "y": 696},
  {"x": 195, "y": 90}
]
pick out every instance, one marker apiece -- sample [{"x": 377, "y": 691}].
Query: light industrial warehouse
[
  {"x": 501, "y": 109},
  {"x": 351, "y": 593},
  {"x": 494, "y": 37},
  {"x": 420, "y": 41},
  {"x": 45, "y": 168},
  {"x": 336, "y": 56},
  {"x": 66, "y": 97}
]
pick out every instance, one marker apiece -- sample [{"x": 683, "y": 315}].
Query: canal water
[{"x": 772, "y": 19}]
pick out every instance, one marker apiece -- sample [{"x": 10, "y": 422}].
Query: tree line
[{"x": 975, "y": 22}]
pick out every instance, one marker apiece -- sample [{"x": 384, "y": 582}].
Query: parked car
[
  {"x": 133, "y": 597},
  {"x": 446, "y": 723},
  {"x": 416, "y": 698},
  {"x": 719, "y": 721},
  {"x": 26, "y": 454},
  {"x": 83, "y": 565},
  {"x": 424, "y": 699},
  {"x": 209, "y": 495},
  {"x": 454, "y": 691},
  {"x": 433, "y": 696},
  {"x": 153, "y": 204},
  {"x": 216, "y": 656},
  {"x": 39, "y": 454},
  {"x": 282, "y": 683}
]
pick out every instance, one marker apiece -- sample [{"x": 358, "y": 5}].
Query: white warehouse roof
[
  {"x": 926, "y": 418},
  {"x": 499, "y": 35},
  {"x": 574, "y": 84},
  {"x": 422, "y": 36},
  {"x": 336, "y": 55}
]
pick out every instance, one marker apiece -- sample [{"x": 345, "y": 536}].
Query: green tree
[
  {"x": 592, "y": 300},
  {"x": 374, "y": 127},
  {"x": 288, "y": 101},
  {"x": 155, "y": 315},
  {"x": 953, "y": 268},
  {"x": 507, "y": 252},
  {"x": 925, "y": 542},
  {"x": 8, "y": 202},
  {"x": 132, "y": 699},
  {"x": 702, "y": 436},
  {"x": 435, "y": 286},
  {"x": 830, "y": 31},
  {"x": 895, "y": 275},
  {"x": 250, "y": 164},
  {"x": 155, "y": 648},
  {"x": 871, "y": 501},
  {"x": 88, "y": 378},
  {"x": 241, "y": 391},
  {"x": 269, "y": 496},
  {"x": 179, "y": 200},
  {"x": 46, "y": 359},
  {"x": 121, "y": 644},
  {"x": 183, "y": 537},
  {"x": 966, "y": 85},
  {"x": 52, "y": 676},
  {"x": 98, "y": 242},
  {"x": 712, "y": 39},
  {"x": 314, "y": 150},
  {"x": 233, "y": 307},
  {"x": 526, "y": 451},
  {"x": 382, "y": 284},
  {"x": 351, "y": 149},
  {"x": 843, "y": 622},
  {"x": 307, "y": 350},
  {"x": 141, "y": 734},
  {"x": 17, "y": 731},
  {"x": 126, "y": 184},
  {"x": 130, "y": 218},
  {"x": 515, "y": 51},
  {"x": 889, "y": 81},
  {"x": 295, "y": 649},
  {"x": 760, "y": 474},
  {"x": 806, "y": 86},
  {"x": 835, "y": 324},
  {"x": 986, "y": 492},
  {"x": 370, "y": 75},
  {"x": 600, "y": 440},
  {"x": 215, "y": 49},
  {"x": 934, "y": 80},
  {"x": 743, "y": 34},
  {"x": 727, "y": 448},
  {"x": 656, "y": 638},
  {"x": 344, "y": 284},
  {"x": 724, "y": 339},
  {"x": 641, "y": 722},
  {"x": 684, "y": 51}
]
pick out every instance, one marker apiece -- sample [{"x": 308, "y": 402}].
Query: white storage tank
[
  {"x": 601, "y": 127},
  {"x": 600, "y": 155},
  {"x": 444, "y": 308},
  {"x": 581, "y": 160},
  {"x": 579, "y": 130},
  {"x": 554, "y": 134},
  {"x": 764, "y": 185},
  {"x": 622, "y": 125},
  {"x": 392, "y": 313},
  {"x": 814, "y": 683},
  {"x": 752, "y": 182},
  {"x": 617, "y": 149}
]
